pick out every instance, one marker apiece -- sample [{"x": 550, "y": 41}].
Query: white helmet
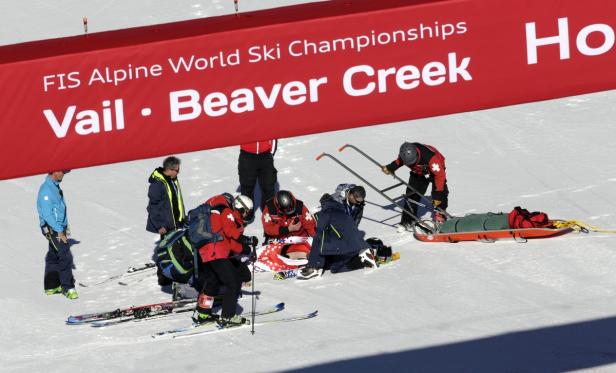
[{"x": 243, "y": 204}]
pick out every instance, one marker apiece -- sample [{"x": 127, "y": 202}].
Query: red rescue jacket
[
  {"x": 430, "y": 162},
  {"x": 226, "y": 222},
  {"x": 276, "y": 224},
  {"x": 258, "y": 147}
]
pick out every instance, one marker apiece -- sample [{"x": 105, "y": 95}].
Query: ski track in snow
[{"x": 441, "y": 307}]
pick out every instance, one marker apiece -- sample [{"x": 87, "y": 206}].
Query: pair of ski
[
  {"x": 211, "y": 328},
  {"x": 142, "y": 312},
  {"x": 132, "y": 275}
]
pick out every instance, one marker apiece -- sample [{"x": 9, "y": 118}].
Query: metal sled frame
[{"x": 381, "y": 192}]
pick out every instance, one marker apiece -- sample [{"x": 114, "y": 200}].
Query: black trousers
[
  {"x": 257, "y": 167},
  {"x": 58, "y": 264},
  {"x": 420, "y": 184},
  {"x": 229, "y": 273}
]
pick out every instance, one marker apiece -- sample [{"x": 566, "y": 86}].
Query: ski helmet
[
  {"x": 244, "y": 205},
  {"x": 408, "y": 153},
  {"x": 285, "y": 202},
  {"x": 229, "y": 198}
]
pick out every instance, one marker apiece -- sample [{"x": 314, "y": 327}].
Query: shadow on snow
[{"x": 581, "y": 345}]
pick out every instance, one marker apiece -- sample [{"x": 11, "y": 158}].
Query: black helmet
[
  {"x": 408, "y": 153},
  {"x": 285, "y": 202}
]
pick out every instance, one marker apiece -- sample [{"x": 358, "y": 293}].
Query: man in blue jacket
[
  {"x": 337, "y": 245},
  {"x": 165, "y": 204},
  {"x": 53, "y": 222},
  {"x": 352, "y": 197}
]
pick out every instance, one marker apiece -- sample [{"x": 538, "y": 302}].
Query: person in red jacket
[
  {"x": 427, "y": 166},
  {"x": 256, "y": 163},
  {"x": 220, "y": 266},
  {"x": 284, "y": 217}
]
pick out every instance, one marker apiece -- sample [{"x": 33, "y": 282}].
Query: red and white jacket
[
  {"x": 226, "y": 222},
  {"x": 259, "y": 147},
  {"x": 276, "y": 223},
  {"x": 430, "y": 163}
]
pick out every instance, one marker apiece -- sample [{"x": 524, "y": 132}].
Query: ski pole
[
  {"x": 417, "y": 221},
  {"x": 393, "y": 174},
  {"x": 254, "y": 258}
]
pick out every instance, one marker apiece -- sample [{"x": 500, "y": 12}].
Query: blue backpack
[{"x": 199, "y": 226}]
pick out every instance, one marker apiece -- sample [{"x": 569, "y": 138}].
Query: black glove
[
  {"x": 250, "y": 241},
  {"x": 246, "y": 249},
  {"x": 253, "y": 254}
]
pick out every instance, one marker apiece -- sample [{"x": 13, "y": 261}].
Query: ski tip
[
  {"x": 72, "y": 320},
  {"x": 82, "y": 285},
  {"x": 280, "y": 306}
]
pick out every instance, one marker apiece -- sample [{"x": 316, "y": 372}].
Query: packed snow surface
[{"x": 546, "y": 305}]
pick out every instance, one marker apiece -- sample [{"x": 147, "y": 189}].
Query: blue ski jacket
[
  {"x": 337, "y": 235},
  {"x": 50, "y": 205}
]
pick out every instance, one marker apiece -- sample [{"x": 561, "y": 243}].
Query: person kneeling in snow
[
  {"x": 338, "y": 245},
  {"x": 352, "y": 198},
  {"x": 285, "y": 219}
]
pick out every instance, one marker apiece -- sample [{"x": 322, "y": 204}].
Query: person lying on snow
[
  {"x": 284, "y": 256},
  {"x": 338, "y": 245}
]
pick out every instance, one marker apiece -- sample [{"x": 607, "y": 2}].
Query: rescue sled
[{"x": 518, "y": 235}]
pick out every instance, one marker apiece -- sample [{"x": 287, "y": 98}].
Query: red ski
[{"x": 519, "y": 235}]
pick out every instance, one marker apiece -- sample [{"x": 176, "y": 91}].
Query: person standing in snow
[
  {"x": 256, "y": 164},
  {"x": 53, "y": 222},
  {"x": 220, "y": 266},
  {"x": 427, "y": 165},
  {"x": 165, "y": 204}
]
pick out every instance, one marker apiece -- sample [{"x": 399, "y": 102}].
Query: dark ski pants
[
  {"x": 58, "y": 264},
  {"x": 420, "y": 184},
  {"x": 335, "y": 263},
  {"x": 257, "y": 167},
  {"x": 229, "y": 273}
]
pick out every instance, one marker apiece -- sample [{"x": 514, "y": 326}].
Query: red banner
[{"x": 154, "y": 91}]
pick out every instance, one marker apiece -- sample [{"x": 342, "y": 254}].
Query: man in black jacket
[
  {"x": 338, "y": 245},
  {"x": 165, "y": 206},
  {"x": 352, "y": 197}
]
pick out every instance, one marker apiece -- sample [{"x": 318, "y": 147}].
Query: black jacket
[
  {"x": 337, "y": 235},
  {"x": 165, "y": 205}
]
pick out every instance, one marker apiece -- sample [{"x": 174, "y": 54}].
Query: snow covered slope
[{"x": 547, "y": 305}]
